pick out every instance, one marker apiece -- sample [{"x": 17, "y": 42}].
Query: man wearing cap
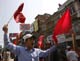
[{"x": 27, "y": 52}]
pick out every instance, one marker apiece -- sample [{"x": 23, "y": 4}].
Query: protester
[
  {"x": 27, "y": 52},
  {"x": 62, "y": 54},
  {"x": 52, "y": 56},
  {"x": 71, "y": 54}
]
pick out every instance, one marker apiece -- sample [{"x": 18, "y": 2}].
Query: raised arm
[
  {"x": 15, "y": 49},
  {"x": 44, "y": 53}
]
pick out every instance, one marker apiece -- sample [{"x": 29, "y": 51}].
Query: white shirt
[{"x": 72, "y": 56}]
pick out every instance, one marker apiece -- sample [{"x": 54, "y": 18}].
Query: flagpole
[
  {"x": 9, "y": 19},
  {"x": 19, "y": 8},
  {"x": 73, "y": 40}
]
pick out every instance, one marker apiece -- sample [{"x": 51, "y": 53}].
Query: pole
[
  {"x": 73, "y": 40},
  {"x": 9, "y": 19}
]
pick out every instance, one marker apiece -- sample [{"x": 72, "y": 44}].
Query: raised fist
[{"x": 5, "y": 28}]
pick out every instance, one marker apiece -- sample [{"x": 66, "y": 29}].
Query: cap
[
  {"x": 68, "y": 47},
  {"x": 27, "y": 36}
]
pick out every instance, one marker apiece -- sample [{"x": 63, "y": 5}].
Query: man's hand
[{"x": 5, "y": 28}]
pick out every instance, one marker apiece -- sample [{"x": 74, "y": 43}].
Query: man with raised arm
[{"x": 27, "y": 52}]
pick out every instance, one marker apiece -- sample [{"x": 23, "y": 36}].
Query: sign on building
[{"x": 36, "y": 25}]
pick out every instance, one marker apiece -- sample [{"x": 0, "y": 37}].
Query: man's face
[{"x": 29, "y": 42}]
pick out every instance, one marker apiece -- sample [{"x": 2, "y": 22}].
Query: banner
[
  {"x": 13, "y": 36},
  {"x": 24, "y": 27},
  {"x": 61, "y": 38}
]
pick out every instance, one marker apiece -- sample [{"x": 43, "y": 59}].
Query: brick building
[{"x": 41, "y": 24}]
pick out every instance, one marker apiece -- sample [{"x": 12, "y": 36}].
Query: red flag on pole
[
  {"x": 20, "y": 8},
  {"x": 18, "y": 16},
  {"x": 40, "y": 41},
  {"x": 64, "y": 25}
]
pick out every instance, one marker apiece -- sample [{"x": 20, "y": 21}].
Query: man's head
[{"x": 28, "y": 40}]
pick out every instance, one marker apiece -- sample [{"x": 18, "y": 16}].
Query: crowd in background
[{"x": 61, "y": 54}]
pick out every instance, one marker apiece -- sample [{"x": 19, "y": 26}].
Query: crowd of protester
[{"x": 58, "y": 54}]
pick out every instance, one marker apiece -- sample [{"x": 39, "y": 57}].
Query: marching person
[
  {"x": 27, "y": 52},
  {"x": 71, "y": 54}
]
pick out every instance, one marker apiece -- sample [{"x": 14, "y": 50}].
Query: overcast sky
[{"x": 31, "y": 9}]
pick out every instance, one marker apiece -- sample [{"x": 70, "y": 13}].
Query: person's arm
[
  {"x": 13, "y": 48},
  {"x": 44, "y": 53}
]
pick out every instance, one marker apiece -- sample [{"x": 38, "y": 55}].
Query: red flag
[
  {"x": 20, "y": 18},
  {"x": 15, "y": 42},
  {"x": 20, "y": 8},
  {"x": 15, "y": 14},
  {"x": 40, "y": 41},
  {"x": 64, "y": 25}
]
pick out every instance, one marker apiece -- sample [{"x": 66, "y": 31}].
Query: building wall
[
  {"x": 42, "y": 19},
  {"x": 51, "y": 22}
]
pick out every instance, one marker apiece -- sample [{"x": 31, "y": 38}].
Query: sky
[{"x": 31, "y": 9}]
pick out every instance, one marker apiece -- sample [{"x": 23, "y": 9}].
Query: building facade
[
  {"x": 74, "y": 6},
  {"x": 41, "y": 24},
  {"x": 46, "y": 22}
]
